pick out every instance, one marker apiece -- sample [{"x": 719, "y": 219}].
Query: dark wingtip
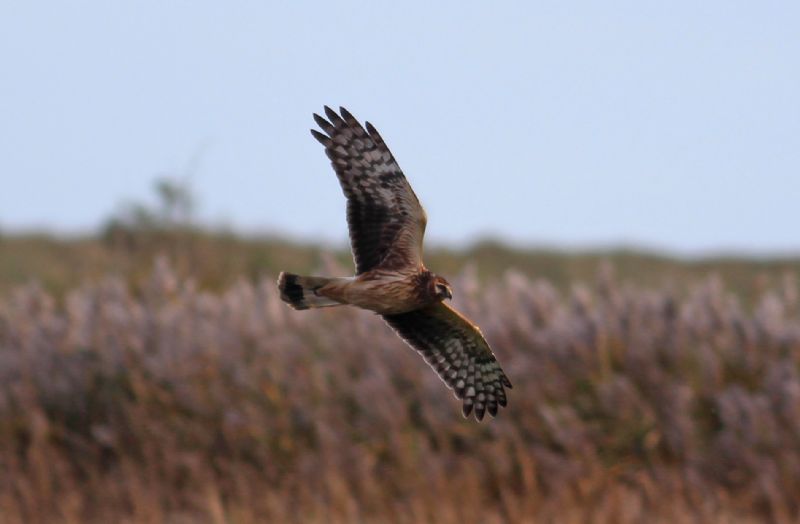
[
  {"x": 321, "y": 137},
  {"x": 333, "y": 116},
  {"x": 324, "y": 124},
  {"x": 373, "y": 133},
  {"x": 466, "y": 409},
  {"x": 507, "y": 383}
]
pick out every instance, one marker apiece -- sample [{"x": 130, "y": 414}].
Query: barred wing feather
[
  {"x": 385, "y": 218},
  {"x": 455, "y": 348}
]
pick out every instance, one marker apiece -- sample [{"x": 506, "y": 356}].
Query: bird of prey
[{"x": 387, "y": 224}]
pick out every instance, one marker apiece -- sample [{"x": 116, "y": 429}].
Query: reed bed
[{"x": 173, "y": 404}]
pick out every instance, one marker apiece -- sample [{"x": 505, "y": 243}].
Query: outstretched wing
[
  {"x": 386, "y": 220},
  {"x": 455, "y": 348}
]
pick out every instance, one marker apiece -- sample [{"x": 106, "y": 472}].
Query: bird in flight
[{"x": 387, "y": 225}]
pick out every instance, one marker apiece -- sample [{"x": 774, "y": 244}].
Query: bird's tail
[{"x": 301, "y": 292}]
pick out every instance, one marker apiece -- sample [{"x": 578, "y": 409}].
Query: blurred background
[{"x": 613, "y": 188}]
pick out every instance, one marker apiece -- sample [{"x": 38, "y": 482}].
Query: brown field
[{"x": 645, "y": 390}]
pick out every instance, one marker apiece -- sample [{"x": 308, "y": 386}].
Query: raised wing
[
  {"x": 385, "y": 218},
  {"x": 455, "y": 348}
]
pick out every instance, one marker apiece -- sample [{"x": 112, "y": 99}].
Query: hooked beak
[{"x": 449, "y": 293}]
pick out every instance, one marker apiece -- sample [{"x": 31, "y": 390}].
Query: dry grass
[{"x": 173, "y": 404}]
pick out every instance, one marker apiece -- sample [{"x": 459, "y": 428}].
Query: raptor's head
[{"x": 440, "y": 288}]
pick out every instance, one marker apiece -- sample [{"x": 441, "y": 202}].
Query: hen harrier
[{"x": 387, "y": 223}]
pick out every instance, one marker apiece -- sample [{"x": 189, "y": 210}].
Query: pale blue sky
[{"x": 673, "y": 125}]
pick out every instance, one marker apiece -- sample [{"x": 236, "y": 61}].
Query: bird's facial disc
[{"x": 443, "y": 291}]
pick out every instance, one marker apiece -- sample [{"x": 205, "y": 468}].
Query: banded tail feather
[{"x": 302, "y": 292}]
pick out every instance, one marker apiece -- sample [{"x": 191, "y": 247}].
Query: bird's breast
[{"x": 387, "y": 293}]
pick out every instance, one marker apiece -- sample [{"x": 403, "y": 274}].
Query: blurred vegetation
[
  {"x": 150, "y": 373},
  {"x": 215, "y": 258},
  {"x": 174, "y": 404}
]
